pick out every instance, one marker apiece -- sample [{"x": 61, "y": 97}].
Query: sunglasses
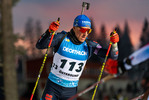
[{"x": 83, "y": 30}]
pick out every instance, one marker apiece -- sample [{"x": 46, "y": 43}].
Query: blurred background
[{"x": 23, "y": 21}]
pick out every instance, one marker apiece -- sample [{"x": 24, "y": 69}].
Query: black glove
[{"x": 121, "y": 69}]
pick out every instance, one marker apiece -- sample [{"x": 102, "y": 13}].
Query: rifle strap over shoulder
[{"x": 59, "y": 43}]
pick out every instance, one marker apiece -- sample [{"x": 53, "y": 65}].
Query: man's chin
[{"x": 82, "y": 40}]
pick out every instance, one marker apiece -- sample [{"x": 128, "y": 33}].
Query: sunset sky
[{"x": 107, "y": 12}]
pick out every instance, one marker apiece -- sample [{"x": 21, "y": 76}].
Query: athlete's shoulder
[
  {"x": 92, "y": 43},
  {"x": 60, "y": 34}
]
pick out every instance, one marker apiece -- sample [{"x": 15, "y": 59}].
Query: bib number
[{"x": 72, "y": 64}]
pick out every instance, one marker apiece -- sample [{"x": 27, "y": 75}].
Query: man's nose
[{"x": 85, "y": 33}]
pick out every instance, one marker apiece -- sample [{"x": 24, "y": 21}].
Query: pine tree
[
  {"x": 118, "y": 30},
  {"x": 38, "y": 28},
  {"x": 32, "y": 34},
  {"x": 142, "y": 68},
  {"x": 30, "y": 37},
  {"x": 125, "y": 45},
  {"x": 102, "y": 39},
  {"x": 145, "y": 34}
]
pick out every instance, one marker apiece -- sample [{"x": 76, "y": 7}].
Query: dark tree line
[
  {"x": 143, "y": 68},
  {"x": 33, "y": 31},
  {"x": 125, "y": 45}
]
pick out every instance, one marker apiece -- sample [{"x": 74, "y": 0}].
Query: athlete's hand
[
  {"x": 114, "y": 37},
  {"x": 111, "y": 66},
  {"x": 54, "y": 26},
  {"x": 114, "y": 67}
]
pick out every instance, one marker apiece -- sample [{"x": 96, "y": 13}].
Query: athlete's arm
[
  {"x": 44, "y": 39},
  {"x": 98, "y": 50}
]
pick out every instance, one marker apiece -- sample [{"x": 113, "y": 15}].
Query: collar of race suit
[{"x": 73, "y": 37}]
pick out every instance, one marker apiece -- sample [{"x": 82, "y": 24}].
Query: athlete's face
[{"x": 81, "y": 33}]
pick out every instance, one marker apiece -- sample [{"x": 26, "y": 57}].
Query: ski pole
[
  {"x": 143, "y": 96},
  {"x": 42, "y": 66},
  {"x": 102, "y": 68},
  {"x": 108, "y": 77},
  {"x": 139, "y": 97},
  {"x": 85, "y": 5}
]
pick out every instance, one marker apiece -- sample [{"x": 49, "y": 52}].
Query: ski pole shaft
[
  {"x": 102, "y": 68},
  {"x": 139, "y": 97},
  {"x": 143, "y": 96},
  {"x": 43, "y": 63},
  {"x": 92, "y": 86}
]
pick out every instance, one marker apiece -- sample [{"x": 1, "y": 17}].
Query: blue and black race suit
[{"x": 69, "y": 60}]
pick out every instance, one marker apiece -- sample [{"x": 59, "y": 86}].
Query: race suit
[{"x": 69, "y": 60}]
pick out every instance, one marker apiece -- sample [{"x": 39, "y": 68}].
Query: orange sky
[{"x": 108, "y": 12}]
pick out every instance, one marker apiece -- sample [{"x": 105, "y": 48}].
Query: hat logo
[
  {"x": 87, "y": 22},
  {"x": 76, "y": 22}
]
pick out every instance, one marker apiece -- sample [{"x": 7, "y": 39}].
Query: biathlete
[{"x": 71, "y": 51}]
